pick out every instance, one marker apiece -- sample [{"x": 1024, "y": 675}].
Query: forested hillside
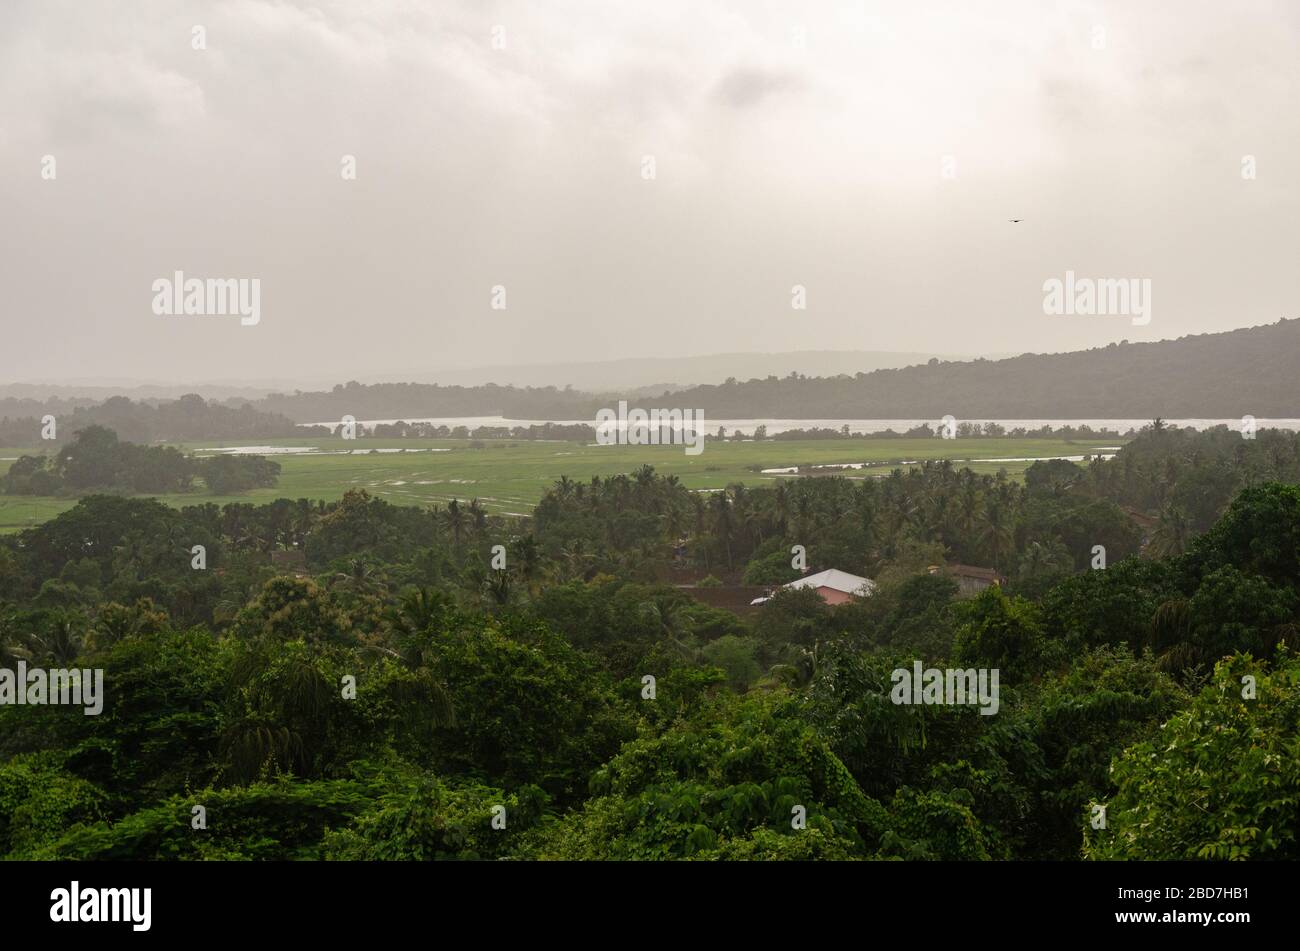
[{"x": 1259, "y": 368}]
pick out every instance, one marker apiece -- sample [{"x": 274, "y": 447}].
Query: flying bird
[{"x": 1015, "y": 221}]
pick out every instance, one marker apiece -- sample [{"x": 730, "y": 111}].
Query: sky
[{"x": 869, "y": 153}]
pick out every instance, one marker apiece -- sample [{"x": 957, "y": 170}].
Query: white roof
[{"x": 839, "y": 580}]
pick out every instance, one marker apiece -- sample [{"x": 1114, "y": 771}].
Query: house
[
  {"x": 834, "y": 586},
  {"x": 970, "y": 579}
]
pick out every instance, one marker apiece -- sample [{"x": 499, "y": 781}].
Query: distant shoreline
[{"x": 776, "y": 425}]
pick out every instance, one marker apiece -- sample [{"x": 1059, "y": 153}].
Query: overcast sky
[{"x": 794, "y": 143}]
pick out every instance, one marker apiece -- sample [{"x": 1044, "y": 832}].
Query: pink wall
[{"x": 831, "y": 596}]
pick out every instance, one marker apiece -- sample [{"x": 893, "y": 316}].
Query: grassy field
[{"x": 511, "y": 476}]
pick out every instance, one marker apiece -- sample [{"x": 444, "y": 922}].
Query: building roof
[{"x": 836, "y": 579}]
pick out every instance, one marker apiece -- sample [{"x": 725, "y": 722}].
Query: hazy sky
[{"x": 794, "y": 143}]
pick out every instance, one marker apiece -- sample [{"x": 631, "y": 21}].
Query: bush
[{"x": 1221, "y": 781}]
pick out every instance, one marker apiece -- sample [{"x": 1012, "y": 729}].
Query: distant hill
[
  {"x": 660, "y": 373},
  {"x": 1253, "y": 371},
  {"x": 636, "y": 375},
  {"x": 81, "y": 394}
]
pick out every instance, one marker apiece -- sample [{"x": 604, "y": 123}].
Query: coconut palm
[
  {"x": 575, "y": 559},
  {"x": 12, "y": 643},
  {"x": 529, "y": 561},
  {"x": 498, "y": 588},
  {"x": 418, "y": 611},
  {"x": 723, "y": 523},
  {"x": 60, "y": 642},
  {"x": 700, "y": 512},
  {"x": 361, "y": 577},
  {"x": 998, "y": 535},
  {"x": 1172, "y": 533},
  {"x": 477, "y": 517},
  {"x": 457, "y": 522},
  {"x": 672, "y": 619},
  {"x": 782, "y": 505}
]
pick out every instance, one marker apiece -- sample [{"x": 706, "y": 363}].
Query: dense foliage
[
  {"x": 358, "y": 680},
  {"x": 96, "y": 460}
]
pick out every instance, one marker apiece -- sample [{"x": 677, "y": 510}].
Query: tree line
[
  {"x": 185, "y": 419},
  {"x": 97, "y": 461}
]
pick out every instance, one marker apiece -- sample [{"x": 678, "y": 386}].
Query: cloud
[
  {"x": 744, "y": 87},
  {"x": 778, "y": 163}
]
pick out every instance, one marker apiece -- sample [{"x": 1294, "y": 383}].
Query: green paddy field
[{"x": 511, "y": 475}]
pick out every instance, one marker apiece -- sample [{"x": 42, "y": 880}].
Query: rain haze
[{"x": 648, "y": 181}]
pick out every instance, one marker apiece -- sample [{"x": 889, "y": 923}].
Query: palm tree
[
  {"x": 1172, "y": 533},
  {"x": 700, "y": 511},
  {"x": 1039, "y": 561},
  {"x": 803, "y": 516},
  {"x": 891, "y": 524},
  {"x": 418, "y": 611},
  {"x": 672, "y": 619},
  {"x": 529, "y": 561},
  {"x": 300, "y": 523},
  {"x": 998, "y": 537},
  {"x": 941, "y": 517},
  {"x": 674, "y": 520},
  {"x": 754, "y": 523},
  {"x": 781, "y": 505},
  {"x": 723, "y": 525},
  {"x": 361, "y": 577},
  {"x": 61, "y": 642},
  {"x": 1096, "y": 477},
  {"x": 497, "y": 587},
  {"x": 477, "y": 516},
  {"x": 970, "y": 509},
  {"x": 12, "y": 648},
  {"x": 575, "y": 559},
  {"x": 644, "y": 476},
  {"x": 456, "y": 521},
  {"x": 1171, "y": 623}
]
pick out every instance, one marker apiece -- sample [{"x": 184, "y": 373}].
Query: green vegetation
[
  {"x": 358, "y": 679},
  {"x": 513, "y": 475},
  {"x": 189, "y": 417},
  {"x": 96, "y": 460}
]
